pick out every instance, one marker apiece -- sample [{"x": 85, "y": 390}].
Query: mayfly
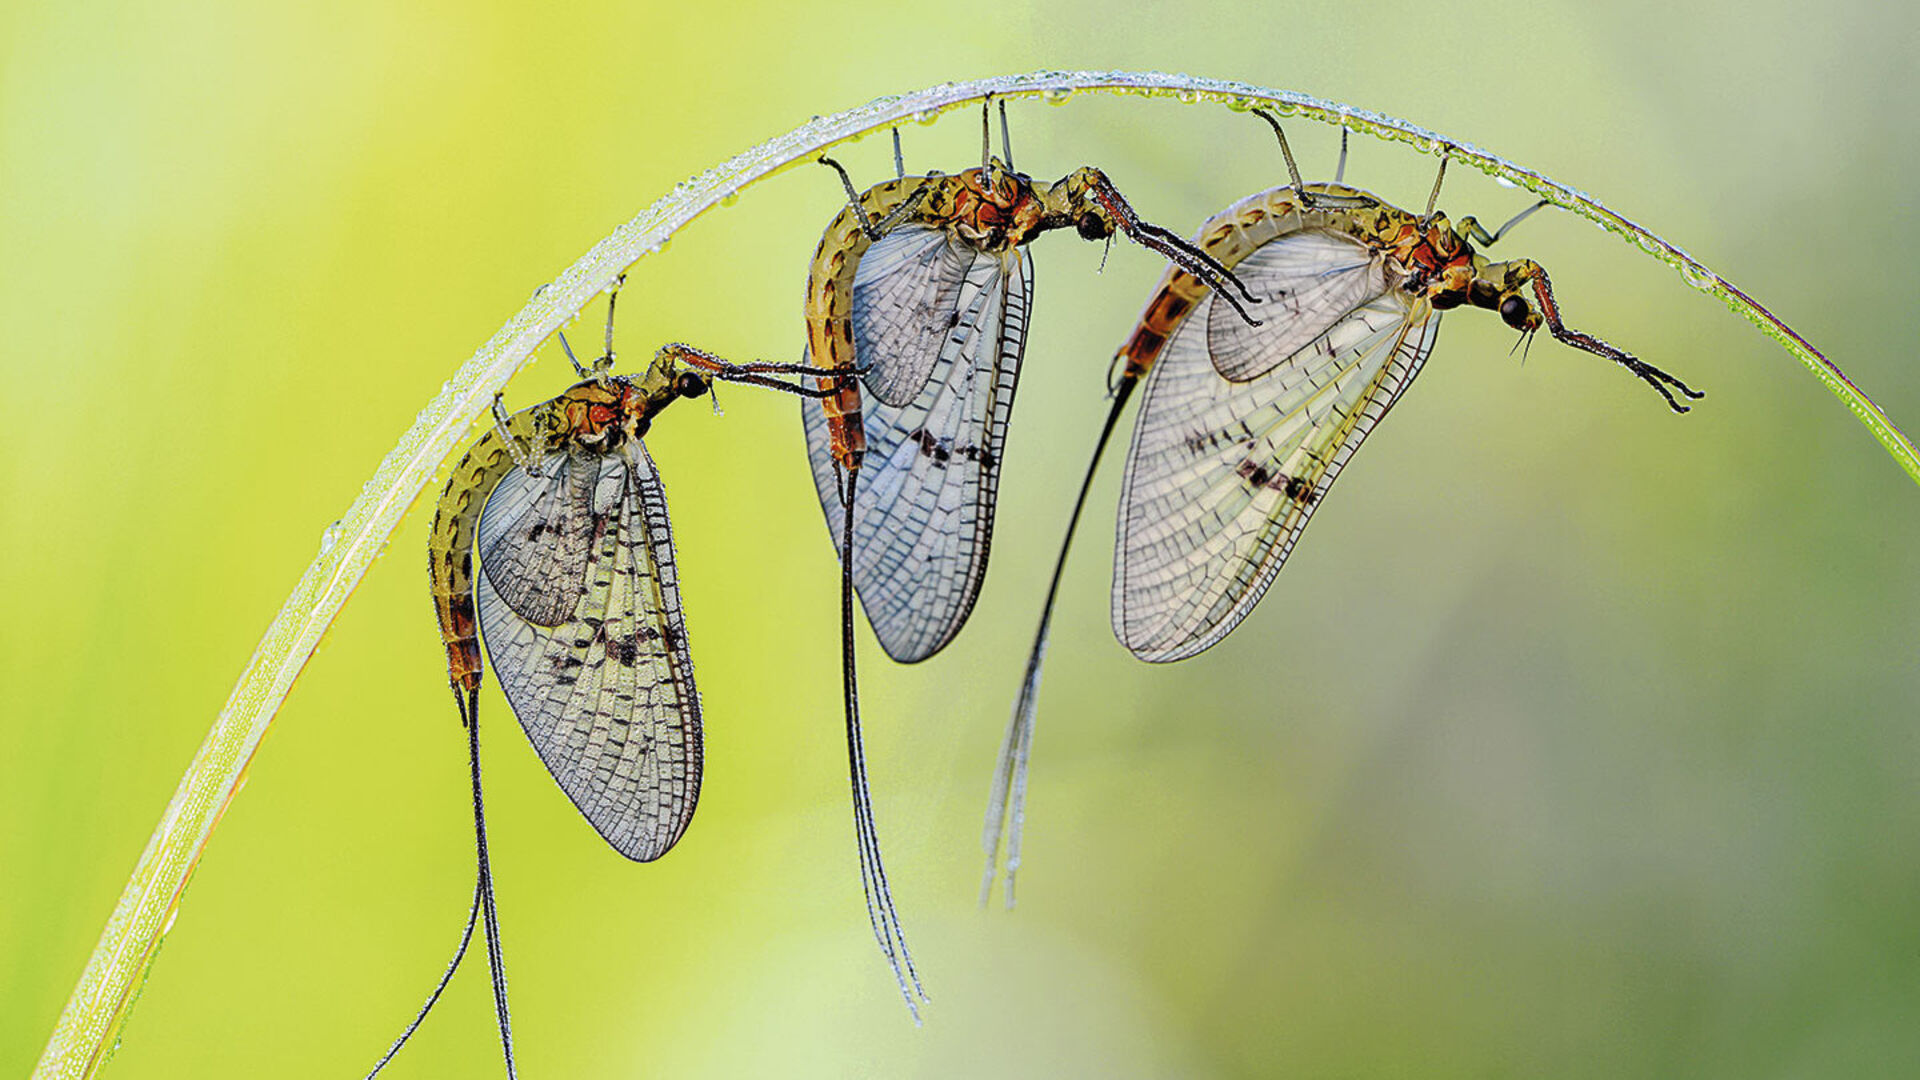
[
  {"x": 1242, "y": 428},
  {"x": 551, "y": 542},
  {"x": 922, "y": 287}
]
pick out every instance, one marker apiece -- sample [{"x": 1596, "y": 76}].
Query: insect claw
[{"x": 1661, "y": 381}]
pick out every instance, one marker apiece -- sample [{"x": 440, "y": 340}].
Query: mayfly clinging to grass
[
  {"x": 922, "y": 286},
  {"x": 552, "y": 544},
  {"x": 1243, "y": 428}
]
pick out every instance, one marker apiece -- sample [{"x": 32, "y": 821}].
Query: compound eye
[
  {"x": 1515, "y": 313},
  {"x": 690, "y": 385},
  {"x": 1093, "y": 227}
]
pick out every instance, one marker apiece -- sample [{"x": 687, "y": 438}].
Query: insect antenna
[
  {"x": 1007, "y": 802},
  {"x": 873, "y": 873}
]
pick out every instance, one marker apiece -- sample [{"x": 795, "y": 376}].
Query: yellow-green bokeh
[{"x": 1577, "y": 740}]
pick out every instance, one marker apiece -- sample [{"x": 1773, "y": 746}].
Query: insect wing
[
  {"x": 906, "y": 296},
  {"x": 538, "y": 568},
  {"x": 605, "y": 692},
  {"x": 1309, "y": 281},
  {"x": 1222, "y": 476},
  {"x": 924, "y": 517}
]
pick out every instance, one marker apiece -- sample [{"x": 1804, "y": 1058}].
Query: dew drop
[
  {"x": 731, "y": 197},
  {"x": 1285, "y": 108},
  {"x": 926, "y": 116},
  {"x": 1698, "y": 276},
  {"x": 329, "y": 537},
  {"x": 1056, "y": 96},
  {"x": 1187, "y": 97},
  {"x": 1648, "y": 244},
  {"x": 1505, "y": 182}
]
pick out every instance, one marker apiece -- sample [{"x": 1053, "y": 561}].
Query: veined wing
[
  {"x": 1310, "y": 281},
  {"x": 906, "y": 298},
  {"x": 924, "y": 513},
  {"x": 1222, "y": 476},
  {"x": 605, "y": 692}
]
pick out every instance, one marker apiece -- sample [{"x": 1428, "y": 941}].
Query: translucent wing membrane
[
  {"x": 593, "y": 655},
  {"x": 923, "y": 514},
  {"x": 1222, "y": 477},
  {"x": 906, "y": 295},
  {"x": 1311, "y": 280},
  {"x": 539, "y": 568}
]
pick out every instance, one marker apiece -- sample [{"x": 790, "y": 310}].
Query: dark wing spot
[
  {"x": 979, "y": 454},
  {"x": 931, "y": 446},
  {"x": 625, "y": 649}
]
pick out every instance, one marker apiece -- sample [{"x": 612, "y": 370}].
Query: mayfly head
[
  {"x": 1086, "y": 200},
  {"x": 1498, "y": 286}
]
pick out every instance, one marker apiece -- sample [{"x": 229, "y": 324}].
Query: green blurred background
[{"x": 1577, "y": 740}]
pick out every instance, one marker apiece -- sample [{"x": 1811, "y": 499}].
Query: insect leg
[
  {"x": 1006, "y": 141},
  {"x": 755, "y": 374},
  {"x": 522, "y": 456},
  {"x": 986, "y": 133},
  {"x": 1478, "y": 233},
  {"x": 853, "y": 199},
  {"x": 1434, "y": 199},
  {"x": 1340, "y": 170},
  {"x": 1187, "y": 257},
  {"x": 900, "y": 213},
  {"x": 1526, "y": 270},
  {"x": 899, "y": 162},
  {"x": 605, "y": 363},
  {"x": 564, "y": 347},
  {"x": 1299, "y": 189}
]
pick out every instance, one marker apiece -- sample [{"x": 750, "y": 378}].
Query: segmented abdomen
[{"x": 450, "y": 547}]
